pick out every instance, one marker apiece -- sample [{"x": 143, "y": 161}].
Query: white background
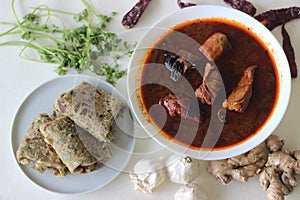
[{"x": 19, "y": 77}]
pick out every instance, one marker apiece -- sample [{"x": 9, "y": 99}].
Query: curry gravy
[{"x": 246, "y": 50}]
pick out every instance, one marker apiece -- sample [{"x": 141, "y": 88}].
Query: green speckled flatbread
[
  {"x": 90, "y": 108},
  {"x": 36, "y": 153},
  {"x": 70, "y": 144}
]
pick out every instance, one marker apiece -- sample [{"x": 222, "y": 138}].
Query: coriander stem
[
  {"x": 9, "y": 24},
  {"x": 44, "y": 32},
  {"x": 39, "y": 29},
  {"x": 56, "y": 11},
  {"x": 42, "y": 35},
  {"x": 22, "y": 55},
  {"x": 47, "y": 9},
  {"x": 17, "y": 43},
  {"x": 89, "y": 6},
  {"x": 32, "y": 46},
  {"x": 10, "y": 31},
  {"x": 14, "y": 11},
  {"x": 15, "y": 14}
]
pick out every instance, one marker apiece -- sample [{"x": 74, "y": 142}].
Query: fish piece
[
  {"x": 36, "y": 153},
  {"x": 211, "y": 84},
  {"x": 70, "y": 144},
  {"x": 215, "y": 46},
  {"x": 239, "y": 98},
  {"x": 183, "y": 107},
  {"x": 92, "y": 109}
]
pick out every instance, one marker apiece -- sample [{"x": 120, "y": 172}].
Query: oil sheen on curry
[{"x": 209, "y": 83}]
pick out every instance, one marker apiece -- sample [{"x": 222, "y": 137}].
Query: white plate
[{"x": 42, "y": 100}]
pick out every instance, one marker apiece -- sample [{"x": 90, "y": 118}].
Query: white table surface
[{"x": 19, "y": 77}]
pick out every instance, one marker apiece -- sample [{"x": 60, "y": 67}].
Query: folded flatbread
[
  {"x": 36, "y": 153},
  {"x": 92, "y": 109},
  {"x": 70, "y": 144}
]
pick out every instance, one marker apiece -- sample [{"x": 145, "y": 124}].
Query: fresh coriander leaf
[
  {"x": 79, "y": 48},
  {"x": 83, "y": 15}
]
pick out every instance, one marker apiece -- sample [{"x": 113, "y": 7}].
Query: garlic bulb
[
  {"x": 182, "y": 169},
  {"x": 148, "y": 174},
  {"x": 190, "y": 191}
]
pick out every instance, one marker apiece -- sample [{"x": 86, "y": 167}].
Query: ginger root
[
  {"x": 274, "y": 143},
  {"x": 239, "y": 168},
  {"x": 271, "y": 183},
  {"x": 278, "y": 178},
  {"x": 275, "y": 166}
]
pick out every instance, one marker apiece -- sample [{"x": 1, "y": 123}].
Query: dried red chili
[
  {"x": 289, "y": 51},
  {"x": 184, "y": 5},
  {"x": 131, "y": 18},
  {"x": 274, "y": 18},
  {"x": 242, "y": 5}
]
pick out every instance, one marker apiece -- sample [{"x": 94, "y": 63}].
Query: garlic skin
[
  {"x": 182, "y": 169},
  {"x": 148, "y": 174},
  {"x": 190, "y": 191}
]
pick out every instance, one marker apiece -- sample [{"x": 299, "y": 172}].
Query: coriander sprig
[{"x": 81, "y": 48}]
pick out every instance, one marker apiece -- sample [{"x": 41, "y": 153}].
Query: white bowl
[{"x": 198, "y": 12}]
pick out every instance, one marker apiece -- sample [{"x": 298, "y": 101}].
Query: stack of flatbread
[{"x": 78, "y": 139}]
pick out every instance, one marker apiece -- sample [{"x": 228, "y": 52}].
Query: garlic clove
[
  {"x": 148, "y": 174},
  {"x": 190, "y": 191},
  {"x": 182, "y": 169}
]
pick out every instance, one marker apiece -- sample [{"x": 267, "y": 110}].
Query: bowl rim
[{"x": 261, "y": 32}]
